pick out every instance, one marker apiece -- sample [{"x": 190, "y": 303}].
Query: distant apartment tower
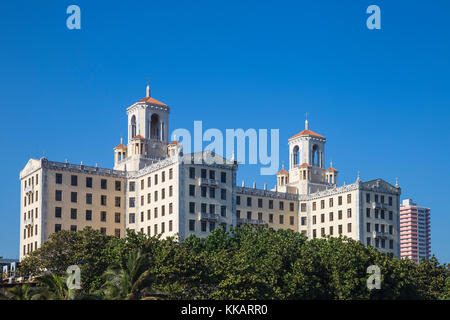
[{"x": 415, "y": 235}]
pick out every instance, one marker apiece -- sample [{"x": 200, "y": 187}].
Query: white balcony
[
  {"x": 379, "y": 205},
  {"x": 28, "y": 189},
  {"x": 381, "y": 235},
  {"x": 208, "y": 182},
  {"x": 28, "y": 222},
  {"x": 251, "y": 221},
  {"x": 209, "y": 216}
]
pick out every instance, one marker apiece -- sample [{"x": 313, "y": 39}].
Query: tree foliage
[{"x": 245, "y": 263}]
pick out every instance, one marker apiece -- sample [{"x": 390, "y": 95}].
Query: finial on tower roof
[
  {"x": 306, "y": 121},
  {"x": 358, "y": 178},
  {"x": 396, "y": 183},
  {"x": 148, "y": 88}
]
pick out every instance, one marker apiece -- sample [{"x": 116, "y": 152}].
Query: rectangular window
[
  {"x": 249, "y": 201},
  {"x": 368, "y": 212},
  {"x": 170, "y": 191},
  {"x": 163, "y": 179},
  {"x": 368, "y": 227},
  {"x": 117, "y": 217},
  {"x": 118, "y": 185},
  {"x": 212, "y": 174},
  {"x": 249, "y": 215},
  {"x": 322, "y": 204},
  {"x": 73, "y": 197},
  {"x": 281, "y": 219},
  {"x": 103, "y": 200},
  {"x": 163, "y": 194},
  {"x": 131, "y": 218},
  {"x": 103, "y": 184},
  {"x": 203, "y": 207},
  {"x": 314, "y": 206},
  {"x": 203, "y": 173},
  {"x": 349, "y": 227},
  {"x": 331, "y": 230},
  {"x": 303, "y": 207},
  {"x": 303, "y": 221},
  {"x": 155, "y": 228},
  {"x": 212, "y": 208},
  {"x": 203, "y": 226},
  {"x": 330, "y": 202},
  {"x": 103, "y": 216},
  {"x": 390, "y": 215},
  {"x": 170, "y": 208},
  {"x": 391, "y": 230},
  {"x": 191, "y": 225},
  {"x": 155, "y": 196},
  {"x": 149, "y": 215},
  {"x": 170, "y": 178},
  {"x": 212, "y": 226},
  {"x": 291, "y": 206},
  {"x": 223, "y": 211},
  {"x": 212, "y": 193},
  {"x": 58, "y": 195},
  {"x": 281, "y": 205},
  {"x": 271, "y": 218},
  {"x": 314, "y": 220},
  {"x": 88, "y": 182},
  {"x": 322, "y": 217},
  {"x": 368, "y": 197},
  {"x": 260, "y": 203},
  {"x": 203, "y": 191},
  {"x": 291, "y": 220},
  {"x": 163, "y": 211},
  {"x": 368, "y": 241},
  {"x": 88, "y": 198},
  {"x": 103, "y": 231},
  {"x": 155, "y": 212},
  {"x": 238, "y": 214},
  {"x": 390, "y": 201},
  {"x": 117, "y": 233},
  {"x": 74, "y": 180},
  {"x": 132, "y": 186},
  {"x": 73, "y": 214},
  {"x": 223, "y": 177},
  {"x": 191, "y": 207},
  {"x": 322, "y": 232},
  {"x": 391, "y": 244},
  {"x": 88, "y": 215},
  {"x": 192, "y": 190},
  {"x": 223, "y": 194},
  {"x": 238, "y": 200},
  {"x": 73, "y": 228},
  {"x": 58, "y": 179},
  {"x": 117, "y": 202},
  {"x": 170, "y": 222},
  {"x": 163, "y": 227},
  {"x": 331, "y": 216},
  {"x": 314, "y": 233},
  {"x": 349, "y": 198},
  {"x": 58, "y": 212},
  {"x": 156, "y": 179},
  {"x": 340, "y": 200},
  {"x": 340, "y": 229},
  {"x": 131, "y": 201},
  {"x": 349, "y": 213}
]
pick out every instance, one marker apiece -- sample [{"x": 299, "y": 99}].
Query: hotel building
[{"x": 155, "y": 188}]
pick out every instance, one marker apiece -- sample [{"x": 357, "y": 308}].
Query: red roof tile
[
  {"x": 332, "y": 169},
  {"x": 151, "y": 100},
  {"x": 139, "y": 137},
  {"x": 307, "y": 133},
  {"x": 174, "y": 142},
  {"x": 120, "y": 146},
  {"x": 282, "y": 171},
  {"x": 305, "y": 165}
]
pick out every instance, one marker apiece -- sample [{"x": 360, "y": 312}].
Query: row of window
[
  {"x": 31, "y": 181},
  {"x": 87, "y": 216},
  {"x": 204, "y": 192},
  {"x": 74, "y": 228},
  {"x": 30, "y": 231},
  {"x": 203, "y": 225},
  {"x": 203, "y": 174},
  {"x": 88, "y": 182},
  {"x": 378, "y": 198},
  {"x": 149, "y": 180},
  {"x": 29, "y": 248},
  {"x": 132, "y": 200},
  {"x": 249, "y": 216},
  {"x": 30, "y": 214},
  {"x": 204, "y": 207},
  {"x": 379, "y": 228},
  {"x": 379, "y": 214},
  {"x": 160, "y": 231},
  {"x": 270, "y": 204},
  {"x": 330, "y": 203},
  {"x": 74, "y": 198},
  {"x": 156, "y": 212},
  {"x": 380, "y": 243},
  {"x": 331, "y": 216},
  {"x": 30, "y": 198},
  {"x": 331, "y": 230},
  {"x": 149, "y": 213}
]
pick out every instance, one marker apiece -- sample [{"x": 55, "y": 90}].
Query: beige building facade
[{"x": 156, "y": 189}]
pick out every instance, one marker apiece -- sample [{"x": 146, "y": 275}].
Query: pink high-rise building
[{"x": 415, "y": 235}]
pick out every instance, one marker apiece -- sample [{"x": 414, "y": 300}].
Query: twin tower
[{"x": 148, "y": 133}]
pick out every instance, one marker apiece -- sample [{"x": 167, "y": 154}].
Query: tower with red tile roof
[{"x": 148, "y": 130}]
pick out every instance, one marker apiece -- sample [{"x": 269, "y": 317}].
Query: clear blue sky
[{"x": 381, "y": 97}]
